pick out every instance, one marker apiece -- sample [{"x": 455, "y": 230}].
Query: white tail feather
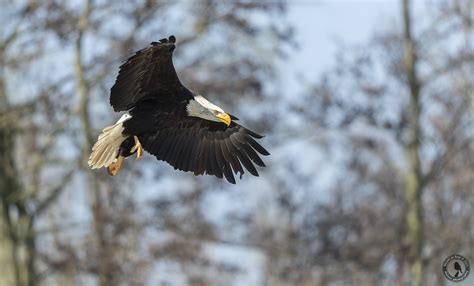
[{"x": 105, "y": 150}]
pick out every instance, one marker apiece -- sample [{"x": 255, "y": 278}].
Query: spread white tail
[{"x": 106, "y": 149}]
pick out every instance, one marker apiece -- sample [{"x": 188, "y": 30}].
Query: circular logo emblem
[{"x": 456, "y": 268}]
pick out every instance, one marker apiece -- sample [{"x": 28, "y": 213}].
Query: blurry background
[{"x": 367, "y": 108}]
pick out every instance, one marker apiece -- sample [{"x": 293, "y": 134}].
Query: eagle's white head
[{"x": 201, "y": 107}]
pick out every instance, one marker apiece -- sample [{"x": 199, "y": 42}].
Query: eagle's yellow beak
[{"x": 224, "y": 118}]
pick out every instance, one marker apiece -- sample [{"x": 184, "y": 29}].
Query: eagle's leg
[
  {"x": 138, "y": 147},
  {"x": 114, "y": 168}
]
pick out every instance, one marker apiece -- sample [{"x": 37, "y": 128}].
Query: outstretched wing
[
  {"x": 202, "y": 146},
  {"x": 148, "y": 73}
]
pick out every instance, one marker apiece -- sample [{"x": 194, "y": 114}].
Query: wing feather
[
  {"x": 213, "y": 157},
  {"x": 228, "y": 174},
  {"x": 194, "y": 152},
  {"x": 176, "y": 150},
  {"x": 219, "y": 157},
  {"x": 200, "y": 158},
  {"x": 247, "y": 163},
  {"x": 205, "y": 147},
  {"x": 188, "y": 145},
  {"x": 256, "y": 146},
  {"x": 253, "y": 155},
  {"x": 149, "y": 73},
  {"x": 204, "y": 161},
  {"x": 236, "y": 166}
]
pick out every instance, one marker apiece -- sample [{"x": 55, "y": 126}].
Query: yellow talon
[
  {"x": 138, "y": 147},
  {"x": 115, "y": 167}
]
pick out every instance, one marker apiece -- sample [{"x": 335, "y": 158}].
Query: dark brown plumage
[
  {"x": 205, "y": 147},
  {"x": 175, "y": 124},
  {"x": 148, "y": 73}
]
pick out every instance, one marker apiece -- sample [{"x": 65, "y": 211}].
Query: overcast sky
[{"x": 322, "y": 25}]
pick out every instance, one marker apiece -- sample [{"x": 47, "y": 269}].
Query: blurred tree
[
  {"x": 23, "y": 197},
  {"x": 394, "y": 117},
  {"x": 58, "y": 61},
  {"x": 413, "y": 178}
]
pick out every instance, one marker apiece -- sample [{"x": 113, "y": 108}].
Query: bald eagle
[{"x": 171, "y": 122}]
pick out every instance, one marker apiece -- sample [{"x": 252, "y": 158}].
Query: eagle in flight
[{"x": 171, "y": 122}]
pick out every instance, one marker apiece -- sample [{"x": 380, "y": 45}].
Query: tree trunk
[
  {"x": 92, "y": 184},
  {"x": 7, "y": 271},
  {"x": 17, "y": 242},
  {"x": 7, "y": 252},
  {"x": 413, "y": 178}
]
